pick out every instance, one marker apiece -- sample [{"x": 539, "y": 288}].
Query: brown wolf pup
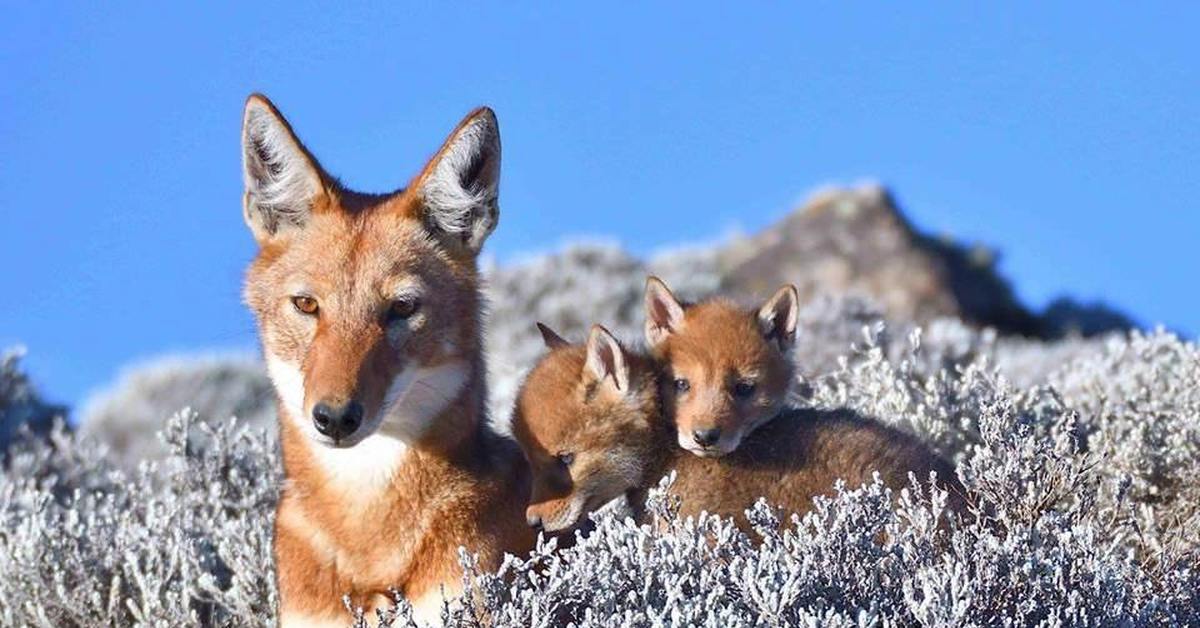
[
  {"x": 588, "y": 419},
  {"x": 368, "y": 309},
  {"x": 728, "y": 369}
]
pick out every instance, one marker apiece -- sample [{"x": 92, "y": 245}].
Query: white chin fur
[{"x": 414, "y": 399}]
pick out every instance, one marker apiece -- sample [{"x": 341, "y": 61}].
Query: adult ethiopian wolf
[{"x": 368, "y": 308}]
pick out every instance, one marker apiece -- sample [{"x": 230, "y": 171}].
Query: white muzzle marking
[{"x": 413, "y": 400}]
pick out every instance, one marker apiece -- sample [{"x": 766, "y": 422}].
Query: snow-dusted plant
[
  {"x": 181, "y": 542},
  {"x": 128, "y": 416},
  {"x": 1082, "y": 494}
]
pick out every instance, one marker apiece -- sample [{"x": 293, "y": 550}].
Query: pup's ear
[
  {"x": 606, "y": 359},
  {"x": 459, "y": 188},
  {"x": 777, "y": 318},
  {"x": 664, "y": 314},
  {"x": 282, "y": 179},
  {"x": 552, "y": 339}
]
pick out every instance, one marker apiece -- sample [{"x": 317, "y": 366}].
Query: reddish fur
[
  {"x": 713, "y": 346},
  {"x": 718, "y": 346},
  {"x": 625, "y": 445},
  {"x": 458, "y": 484}
]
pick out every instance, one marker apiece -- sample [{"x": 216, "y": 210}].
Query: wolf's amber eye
[
  {"x": 305, "y": 305},
  {"x": 403, "y": 308},
  {"x": 565, "y": 458},
  {"x": 743, "y": 389},
  {"x": 682, "y": 385}
]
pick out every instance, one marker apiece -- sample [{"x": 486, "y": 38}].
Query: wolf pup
[
  {"x": 588, "y": 419},
  {"x": 368, "y": 310},
  {"x": 728, "y": 369}
]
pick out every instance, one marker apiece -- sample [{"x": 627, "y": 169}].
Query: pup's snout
[
  {"x": 707, "y": 437},
  {"x": 534, "y": 520},
  {"x": 337, "y": 421}
]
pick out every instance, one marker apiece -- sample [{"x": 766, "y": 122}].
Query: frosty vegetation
[
  {"x": 128, "y": 417},
  {"x": 1082, "y": 457},
  {"x": 1085, "y": 493}
]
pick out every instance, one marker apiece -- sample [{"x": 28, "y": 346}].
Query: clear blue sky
[{"x": 1068, "y": 137}]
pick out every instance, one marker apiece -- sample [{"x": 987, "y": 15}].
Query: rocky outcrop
[{"x": 857, "y": 241}]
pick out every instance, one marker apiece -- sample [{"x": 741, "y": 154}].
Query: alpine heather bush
[
  {"x": 128, "y": 416},
  {"x": 1082, "y": 493},
  {"x": 1055, "y": 535},
  {"x": 181, "y": 542}
]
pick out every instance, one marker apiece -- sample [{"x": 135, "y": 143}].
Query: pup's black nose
[
  {"x": 534, "y": 521},
  {"x": 707, "y": 437},
  {"x": 337, "y": 421}
]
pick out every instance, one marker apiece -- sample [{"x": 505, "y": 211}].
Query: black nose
[
  {"x": 534, "y": 522},
  {"x": 337, "y": 421},
  {"x": 707, "y": 437}
]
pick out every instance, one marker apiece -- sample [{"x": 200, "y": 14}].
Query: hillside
[
  {"x": 855, "y": 257},
  {"x": 1078, "y": 438}
]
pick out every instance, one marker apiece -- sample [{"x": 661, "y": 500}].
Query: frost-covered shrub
[
  {"x": 1139, "y": 412},
  {"x": 1082, "y": 493},
  {"x": 1059, "y": 532},
  {"x": 181, "y": 542},
  {"x": 128, "y": 416}
]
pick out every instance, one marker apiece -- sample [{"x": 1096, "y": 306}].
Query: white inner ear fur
[
  {"x": 606, "y": 358},
  {"x": 280, "y": 180},
  {"x": 459, "y": 206}
]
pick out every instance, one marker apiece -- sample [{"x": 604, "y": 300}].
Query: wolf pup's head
[
  {"x": 726, "y": 369},
  {"x": 367, "y": 305},
  {"x": 585, "y": 419}
]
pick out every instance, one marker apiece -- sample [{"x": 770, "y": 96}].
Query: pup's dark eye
[
  {"x": 403, "y": 308},
  {"x": 565, "y": 458},
  {"x": 682, "y": 385},
  {"x": 741, "y": 390},
  {"x": 305, "y": 305}
]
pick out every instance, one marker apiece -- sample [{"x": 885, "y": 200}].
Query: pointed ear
[
  {"x": 459, "y": 188},
  {"x": 777, "y": 318},
  {"x": 664, "y": 314},
  {"x": 282, "y": 179},
  {"x": 552, "y": 339},
  {"x": 606, "y": 359}
]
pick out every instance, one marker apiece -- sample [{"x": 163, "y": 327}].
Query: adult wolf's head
[{"x": 368, "y": 305}]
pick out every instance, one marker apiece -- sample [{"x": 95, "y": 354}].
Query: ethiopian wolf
[
  {"x": 591, "y": 422},
  {"x": 728, "y": 369},
  {"x": 368, "y": 310}
]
